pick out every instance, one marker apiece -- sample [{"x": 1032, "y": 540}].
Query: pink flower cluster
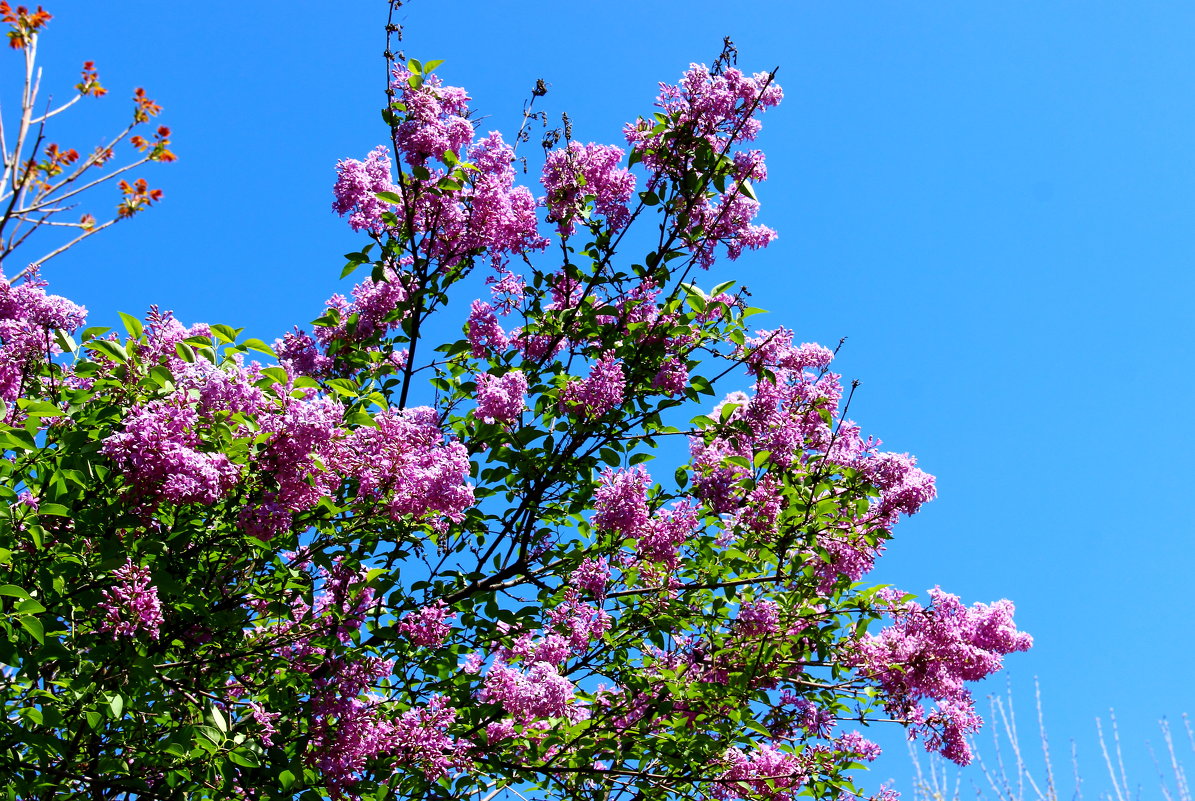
[
  {"x": 791, "y": 416},
  {"x": 357, "y": 186},
  {"x": 774, "y": 350},
  {"x": 28, "y": 318},
  {"x": 537, "y": 694},
  {"x": 164, "y": 332},
  {"x": 766, "y": 774},
  {"x": 489, "y": 213},
  {"x": 591, "y": 575},
  {"x": 370, "y": 313},
  {"x": 604, "y": 389},
  {"x": 427, "y": 626},
  {"x": 783, "y": 417},
  {"x": 420, "y": 738},
  {"x": 722, "y": 107},
  {"x": 729, "y": 219},
  {"x": 436, "y": 118},
  {"x": 499, "y": 216},
  {"x": 405, "y": 465},
  {"x": 299, "y": 354},
  {"x": 303, "y": 441},
  {"x": 574, "y": 173},
  {"x": 928, "y": 654},
  {"x": 131, "y": 605},
  {"x": 718, "y": 110},
  {"x": 903, "y": 486},
  {"x": 673, "y": 377},
  {"x": 620, "y": 504},
  {"x": 760, "y": 617},
  {"x": 160, "y": 453},
  {"x": 483, "y": 330},
  {"x": 351, "y": 726},
  {"x": 501, "y": 399}
]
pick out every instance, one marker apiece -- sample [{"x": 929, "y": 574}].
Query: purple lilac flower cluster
[
  {"x": 719, "y": 110},
  {"x": 576, "y": 172},
  {"x": 131, "y": 605},
  {"x": 160, "y": 453},
  {"x": 488, "y": 213},
  {"x": 404, "y": 464},
  {"x": 928, "y": 654},
  {"x": 501, "y": 399},
  {"x": 28, "y": 319},
  {"x": 620, "y": 505},
  {"x": 790, "y": 415},
  {"x": 427, "y": 626},
  {"x": 600, "y": 392}
]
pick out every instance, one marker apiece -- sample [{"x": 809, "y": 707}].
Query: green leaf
[
  {"x": 389, "y": 197},
  {"x": 65, "y": 341},
  {"x": 30, "y": 607},
  {"x": 131, "y": 324},
  {"x": 217, "y": 718},
  {"x": 244, "y": 757},
  {"x": 13, "y": 591},
  {"x": 286, "y": 779},
  {"x": 116, "y": 706},
  {"x": 34, "y": 627},
  {"x": 39, "y": 408},
  {"x": 113, "y": 350},
  {"x": 226, "y": 333},
  {"x": 185, "y": 352},
  {"x": 176, "y": 749},
  {"x": 212, "y": 735},
  {"x": 17, "y": 439},
  {"x": 259, "y": 346},
  {"x": 277, "y": 374}
]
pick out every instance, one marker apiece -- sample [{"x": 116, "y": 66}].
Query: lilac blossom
[
  {"x": 483, "y": 330},
  {"x": 501, "y": 399},
  {"x": 357, "y": 185},
  {"x": 436, "y": 118},
  {"x": 28, "y": 318},
  {"x": 427, "y": 626},
  {"x": 928, "y": 654},
  {"x": 299, "y": 353},
  {"x": 604, "y": 389},
  {"x": 760, "y": 617},
  {"x": 592, "y": 576},
  {"x": 620, "y": 503},
  {"x": 539, "y": 693},
  {"x": 766, "y": 773},
  {"x": 158, "y": 451},
  {"x": 669, "y": 529},
  {"x": 405, "y": 464},
  {"x": 573, "y": 173},
  {"x": 131, "y": 605},
  {"x": 672, "y": 378}
]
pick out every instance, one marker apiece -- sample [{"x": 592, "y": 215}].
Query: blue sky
[{"x": 992, "y": 201}]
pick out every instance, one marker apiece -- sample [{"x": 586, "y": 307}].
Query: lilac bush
[{"x": 364, "y": 564}]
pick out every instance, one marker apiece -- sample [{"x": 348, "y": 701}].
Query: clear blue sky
[{"x": 993, "y": 201}]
